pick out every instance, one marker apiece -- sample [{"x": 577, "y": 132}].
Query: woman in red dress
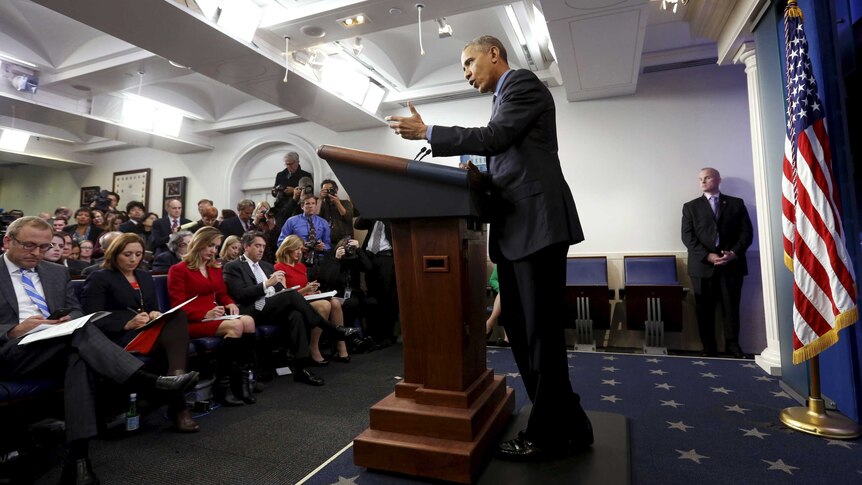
[
  {"x": 199, "y": 274},
  {"x": 288, "y": 259}
]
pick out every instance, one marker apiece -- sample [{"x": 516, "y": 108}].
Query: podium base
[{"x": 453, "y": 447}]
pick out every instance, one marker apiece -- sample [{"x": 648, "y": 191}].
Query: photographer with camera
[
  {"x": 288, "y": 200},
  {"x": 292, "y": 174},
  {"x": 341, "y": 273},
  {"x": 339, "y": 213},
  {"x": 311, "y": 228}
]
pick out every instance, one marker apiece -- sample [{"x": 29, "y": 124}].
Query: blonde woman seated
[
  {"x": 230, "y": 250},
  {"x": 289, "y": 259},
  {"x": 199, "y": 274}
]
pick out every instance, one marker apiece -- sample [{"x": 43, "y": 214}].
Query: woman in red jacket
[
  {"x": 214, "y": 313},
  {"x": 288, "y": 259}
]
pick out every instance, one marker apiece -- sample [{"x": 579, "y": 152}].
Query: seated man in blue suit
[{"x": 30, "y": 290}]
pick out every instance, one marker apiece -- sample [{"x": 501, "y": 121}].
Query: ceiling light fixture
[
  {"x": 14, "y": 140},
  {"x": 513, "y": 19},
  {"x": 419, "y": 7},
  {"x": 15, "y": 60},
  {"x": 353, "y": 21},
  {"x": 357, "y": 46},
  {"x": 665, "y": 4},
  {"x": 443, "y": 29}
]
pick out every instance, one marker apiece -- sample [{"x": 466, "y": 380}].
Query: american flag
[{"x": 824, "y": 287}]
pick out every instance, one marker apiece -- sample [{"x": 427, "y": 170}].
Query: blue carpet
[{"x": 692, "y": 420}]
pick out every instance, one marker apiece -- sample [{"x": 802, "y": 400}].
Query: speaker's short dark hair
[{"x": 485, "y": 42}]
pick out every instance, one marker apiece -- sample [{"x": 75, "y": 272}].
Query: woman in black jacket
[{"x": 128, "y": 292}]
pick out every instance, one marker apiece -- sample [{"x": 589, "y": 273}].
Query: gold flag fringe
[
  {"x": 842, "y": 320},
  {"x": 788, "y": 261},
  {"x": 792, "y": 10}
]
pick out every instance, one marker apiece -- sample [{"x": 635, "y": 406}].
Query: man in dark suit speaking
[
  {"x": 717, "y": 231},
  {"x": 534, "y": 224}
]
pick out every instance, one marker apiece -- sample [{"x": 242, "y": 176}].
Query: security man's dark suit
[{"x": 731, "y": 226}]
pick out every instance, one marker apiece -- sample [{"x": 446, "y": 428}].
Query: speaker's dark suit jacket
[
  {"x": 108, "y": 290},
  {"x": 699, "y": 228},
  {"x": 88, "y": 351},
  {"x": 521, "y": 143},
  {"x": 161, "y": 232}
]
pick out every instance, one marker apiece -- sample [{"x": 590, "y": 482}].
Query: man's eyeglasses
[{"x": 30, "y": 246}]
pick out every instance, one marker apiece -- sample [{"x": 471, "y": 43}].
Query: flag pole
[{"x": 814, "y": 419}]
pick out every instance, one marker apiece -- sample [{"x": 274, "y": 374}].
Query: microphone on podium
[
  {"x": 422, "y": 152},
  {"x": 425, "y": 154}
]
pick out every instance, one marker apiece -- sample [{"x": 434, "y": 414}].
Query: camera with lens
[
  {"x": 330, "y": 191},
  {"x": 100, "y": 201},
  {"x": 278, "y": 191},
  {"x": 349, "y": 250},
  {"x": 308, "y": 190},
  {"x": 310, "y": 244}
]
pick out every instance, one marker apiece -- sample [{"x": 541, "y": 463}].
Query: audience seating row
[{"x": 15, "y": 392}]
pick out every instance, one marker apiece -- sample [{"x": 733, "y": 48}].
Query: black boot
[
  {"x": 222, "y": 392},
  {"x": 78, "y": 472},
  {"x": 227, "y": 372},
  {"x": 245, "y": 391}
]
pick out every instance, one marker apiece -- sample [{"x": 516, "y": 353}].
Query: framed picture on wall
[
  {"x": 174, "y": 188},
  {"x": 132, "y": 185},
  {"x": 87, "y": 194}
]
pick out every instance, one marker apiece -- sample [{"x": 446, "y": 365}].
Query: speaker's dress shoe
[
  {"x": 522, "y": 449},
  {"x": 709, "y": 353},
  {"x": 735, "y": 351},
  {"x": 78, "y": 472},
  {"x": 181, "y": 383},
  {"x": 306, "y": 377}
]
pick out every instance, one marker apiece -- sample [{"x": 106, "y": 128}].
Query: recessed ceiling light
[
  {"x": 312, "y": 31},
  {"x": 395, "y": 11},
  {"x": 353, "y": 20}
]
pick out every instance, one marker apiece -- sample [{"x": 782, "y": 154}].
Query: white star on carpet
[
  {"x": 610, "y": 369},
  {"x": 346, "y": 481},
  {"x": 780, "y": 394},
  {"x": 721, "y": 390},
  {"x": 610, "y": 382},
  {"x": 736, "y": 409},
  {"x": 610, "y": 357},
  {"x": 492, "y": 351},
  {"x": 709, "y": 375},
  {"x": 664, "y": 386},
  {"x": 690, "y": 455},
  {"x": 653, "y": 360},
  {"x": 699, "y": 362},
  {"x": 780, "y": 465},
  {"x": 764, "y": 378},
  {"x": 754, "y": 432},
  {"x": 571, "y": 355},
  {"x": 513, "y": 374},
  {"x": 841, "y": 443},
  {"x": 658, "y": 372},
  {"x": 612, "y": 398},
  {"x": 749, "y": 365},
  {"x": 678, "y": 425},
  {"x": 672, "y": 403}
]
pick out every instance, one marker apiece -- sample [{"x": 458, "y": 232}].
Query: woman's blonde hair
[
  {"x": 290, "y": 244},
  {"x": 200, "y": 240},
  {"x": 230, "y": 241}
]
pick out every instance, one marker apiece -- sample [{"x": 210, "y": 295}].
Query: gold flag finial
[{"x": 792, "y": 10}]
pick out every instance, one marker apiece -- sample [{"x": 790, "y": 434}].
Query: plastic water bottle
[
  {"x": 133, "y": 419},
  {"x": 250, "y": 381}
]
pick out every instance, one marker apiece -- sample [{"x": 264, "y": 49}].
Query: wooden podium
[{"x": 448, "y": 412}]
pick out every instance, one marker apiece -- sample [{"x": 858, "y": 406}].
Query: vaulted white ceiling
[{"x": 90, "y": 56}]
